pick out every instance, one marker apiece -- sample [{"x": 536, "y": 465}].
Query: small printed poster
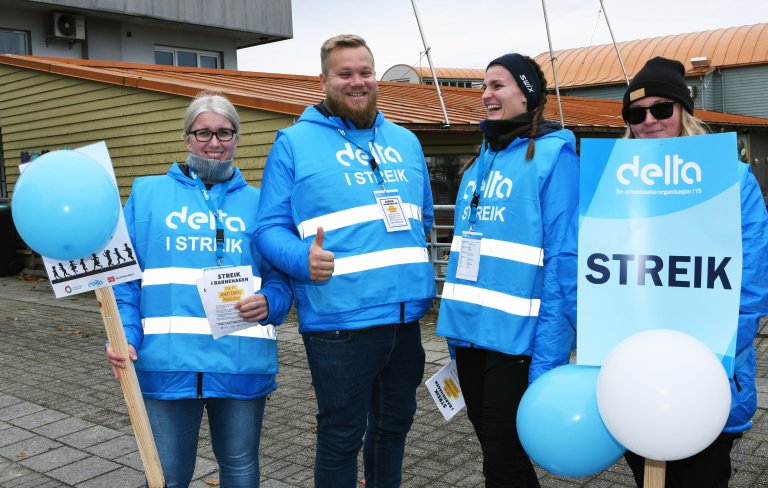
[
  {"x": 220, "y": 289},
  {"x": 445, "y": 390},
  {"x": 115, "y": 263}
]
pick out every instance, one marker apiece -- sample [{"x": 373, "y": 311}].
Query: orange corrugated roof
[
  {"x": 599, "y": 65},
  {"x": 451, "y": 73},
  {"x": 415, "y": 106}
]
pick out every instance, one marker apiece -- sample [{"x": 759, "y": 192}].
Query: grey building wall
[
  {"x": 36, "y": 23},
  {"x": 138, "y": 43},
  {"x": 744, "y": 90},
  {"x": 608, "y": 92},
  {"x": 254, "y": 18},
  {"x": 129, "y": 30}
]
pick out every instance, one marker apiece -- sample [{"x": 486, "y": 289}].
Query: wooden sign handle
[
  {"x": 654, "y": 473},
  {"x": 130, "y": 386}
]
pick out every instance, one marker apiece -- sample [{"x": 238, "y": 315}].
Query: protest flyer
[
  {"x": 220, "y": 288},
  {"x": 445, "y": 390}
]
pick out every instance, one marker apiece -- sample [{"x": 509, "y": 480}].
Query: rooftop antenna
[
  {"x": 431, "y": 67},
  {"x": 615, "y": 46},
  {"x": 554, "y": 64}
]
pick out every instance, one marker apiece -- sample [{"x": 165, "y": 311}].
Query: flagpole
[
  {"x": 616, "y": 47},
  {"x": 431, "y": 67},
  {"x": 554, "y": 65}
]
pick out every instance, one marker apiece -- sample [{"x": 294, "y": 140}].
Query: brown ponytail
[{"x": 538, "y": 112}]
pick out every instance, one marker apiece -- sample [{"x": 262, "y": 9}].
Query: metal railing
[{"x": 440, "y": 245}]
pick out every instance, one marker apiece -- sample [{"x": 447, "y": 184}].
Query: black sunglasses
[{"x": 660, "y": 111}]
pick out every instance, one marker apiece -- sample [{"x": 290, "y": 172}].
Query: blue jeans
[
  {"x": 235, "y": 432},
  {"x": 365, "y": 382}
]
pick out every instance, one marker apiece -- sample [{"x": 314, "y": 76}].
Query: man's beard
[{"x": 362, "y": 118}]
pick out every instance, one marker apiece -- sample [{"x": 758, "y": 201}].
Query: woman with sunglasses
[
  {"x": 502, "y": 317},
  {"x": 200, "y": 215},
  {"x": 657, "y": 104}
]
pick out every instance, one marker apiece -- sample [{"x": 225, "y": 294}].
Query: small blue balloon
[
  {"x": 65, "y": 205},
  {"x": 559, "y": 424}
]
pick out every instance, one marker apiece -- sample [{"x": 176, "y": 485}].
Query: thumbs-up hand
[{"x": 320, "y": 261}]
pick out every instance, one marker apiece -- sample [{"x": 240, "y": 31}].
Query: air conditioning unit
[{"x": 66, "y": 26}]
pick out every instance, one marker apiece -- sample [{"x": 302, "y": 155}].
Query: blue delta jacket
[
  {"x": 320, "y": 173},
  {"x": 174, "y": 236}
]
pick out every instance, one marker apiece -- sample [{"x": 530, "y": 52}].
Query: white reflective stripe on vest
[
  {"x": 180, "y": 276},
  {"x": 380, "y": 259},
  {"x": 197, "y": 325},
  {"x": 506, "y": 250},
  {"x": 525, "y": 307},
  {"x": 352, "y": 216}
]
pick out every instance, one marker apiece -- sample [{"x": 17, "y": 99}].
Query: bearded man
[{"x": 345, "y": 208}]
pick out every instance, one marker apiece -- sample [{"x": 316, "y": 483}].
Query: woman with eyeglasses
[
  {"x": 657, "y": 104},
  {"x": 201, "y": 215}
]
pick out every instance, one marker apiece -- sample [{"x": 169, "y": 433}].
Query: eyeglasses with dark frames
[
  {"x": 205, "y": 135},
  {"x": 660, "y": 111}
]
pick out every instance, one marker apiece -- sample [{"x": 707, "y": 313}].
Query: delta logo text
[
  {"x": 196, "y": 221},
  {"x": 350, "y": 157},
  {"x": 495, "y": 187},
  {"x": 674, "y": 171}
]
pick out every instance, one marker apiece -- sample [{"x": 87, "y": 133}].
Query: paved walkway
[{"x": 63, "y": 421}]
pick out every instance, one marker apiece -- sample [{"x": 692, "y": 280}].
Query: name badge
[
  {"x": 469, "y": 256},
  {"x": 393, "y": 214}
]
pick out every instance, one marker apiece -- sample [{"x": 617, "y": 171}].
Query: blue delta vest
[
  {"x": 500, "y": 310},
  {"x": 375, "y": 271},
  {"x": 174, "y": 235}
]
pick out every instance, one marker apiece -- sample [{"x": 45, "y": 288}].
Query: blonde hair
[
  {"x": 690, "y": 125},
  {"x": 343, "y": 40}
]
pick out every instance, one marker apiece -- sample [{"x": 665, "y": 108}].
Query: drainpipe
[{"x": 722, "y": 88}]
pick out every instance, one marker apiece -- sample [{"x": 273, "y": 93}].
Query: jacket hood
[
  {"x": 312, "y": 115},
  {"x": 235, "y": 183},
  {"x": 553, "y": 130}
]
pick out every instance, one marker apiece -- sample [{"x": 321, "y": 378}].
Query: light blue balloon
[
  {"x": 559, "y": 424},
  {"x": 65, "y": 205}
]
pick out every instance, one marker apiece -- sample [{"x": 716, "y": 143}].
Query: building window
[
  {"x": 445, "y": 177},
  {"x": 14, "y": 42},
  {"x": 192, "y": 58}
]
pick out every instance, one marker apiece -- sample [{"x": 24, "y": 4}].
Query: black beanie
[
  {"x": 524, "y": 74},
  {"x": 660, "y": 77}
]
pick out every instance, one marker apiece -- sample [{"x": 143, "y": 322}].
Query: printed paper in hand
[
  {"x": 445, "y": 390},
  {"x": 220, "y": 289}
]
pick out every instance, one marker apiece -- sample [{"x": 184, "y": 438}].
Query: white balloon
[{"x": 663, "y": 394}]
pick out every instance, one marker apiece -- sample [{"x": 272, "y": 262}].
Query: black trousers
[
  {"x": 711, "y": 468},
  {"x": 492, "y": 384}
]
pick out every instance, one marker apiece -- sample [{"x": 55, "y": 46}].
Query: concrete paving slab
[{"x": 56, "y": 388}]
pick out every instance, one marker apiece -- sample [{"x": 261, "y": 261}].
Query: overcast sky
[{"x": 469, "y": 33}]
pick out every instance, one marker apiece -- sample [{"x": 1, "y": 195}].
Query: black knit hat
[{"x": 660, "y": 77}]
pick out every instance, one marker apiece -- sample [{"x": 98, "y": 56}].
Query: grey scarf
[{"x": 211, "y": 171}]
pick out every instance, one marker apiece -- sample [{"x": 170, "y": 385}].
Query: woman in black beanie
[
  {"x": 657, "y": 104},
  {"x": 501, "y": 303}
]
